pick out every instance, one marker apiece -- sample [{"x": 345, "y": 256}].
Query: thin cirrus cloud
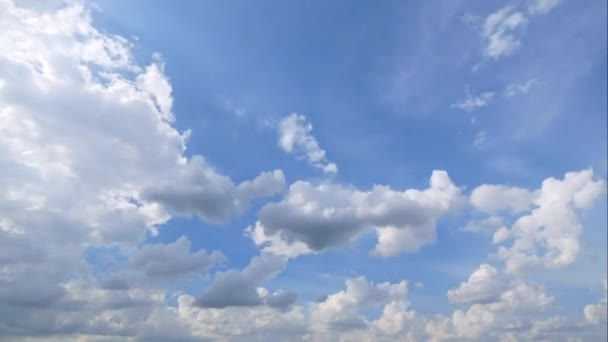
[
  {"x": 514, "y": 89},
  {"x": 472, "y": 102},
  {"x": 501, "y": 31}
]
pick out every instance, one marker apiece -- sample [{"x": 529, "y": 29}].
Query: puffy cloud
[
  {"x": 241, "y": 288},
  {"x": 85, "y": 133},
  {"x": 473, "y": 102},
  {"x": 484, "y": 285},
  {"x": 294, "y": 137},
  {"x": 85, "y": 310},
  {"x": 493, "y": 198},
  {"x": 598, "y": 313},
  {"x": 501, "y": 235},
  {"x": 552, "y": 224},
  {"x": 173, "y": 259},
  {"x": 495, "y": 315},
  {"x": 273, "y": 243},
  {"x": 342, "y": 312},
  {"x": 326, "y": 215},
  {"x": 91, "y": 161},
  {"x": 237, "y": 323},
  {"x": 500, "y": 32},
  {"x": 198, "y": 189}
]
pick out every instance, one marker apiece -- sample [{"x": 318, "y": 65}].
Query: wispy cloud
[
  {"x": 294, "y": 137},
  {"x": 472, "y": 102},
  {"x": 500, "y": 32},
  {"x": 520, "y": 88},
  {"x": 481, "y": 139},
  {"x": 541, "y": 6}
]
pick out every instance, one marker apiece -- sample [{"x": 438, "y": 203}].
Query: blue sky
[{"x": 503, "y": 96}]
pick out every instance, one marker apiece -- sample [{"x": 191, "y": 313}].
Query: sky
[{"x": 303, "y": 170}]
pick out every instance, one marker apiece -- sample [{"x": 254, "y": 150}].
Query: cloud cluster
[
  {"x": 496, "y": 305},
  {"x": 86, "y": 149},
  {"x": 92, "y": 163},
  {"x": 548, "y": 234},
  {"x": 342, "y": 311}
]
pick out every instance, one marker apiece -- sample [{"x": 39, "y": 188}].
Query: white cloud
[
  {"x": 481, "y": 140},
  {"x": 338, "y": 317},
  {"x": 496, "y": 307},
  {"x": 500, "y": 32},
  {"x": 501, "y": 235},
  {"x": 494, "y": 198},
  {"x": 473, "y": 102},
  {"x": 598, "y": 313},
  {"x": 295, "y": 137},
  {"x": 91, "y": 160},
  {"x": 517, "y": 89},
  {"x": 174, "y": 259},
  {"x": 552, "y": 223},
  {"x": 484, "y": 285},
  {"x": 490, "y": 223},
  {"x": 341, "y": 311},
  {"x": 198, "y": 189},
  {"x": 541, "y": 6},
  {"x": 326, "y": 215},
  {"x": 241, "y": 288},
  {"x": 85, "y": 132}
]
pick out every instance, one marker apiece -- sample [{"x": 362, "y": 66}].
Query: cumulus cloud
[
  {"x": 484, "y": 285},
  {"x": 473, "y": 102},
  {"x": 339, "y": 316},
  {"x": 493, "y": 310},
  {"x": 173, "y": 259},
  {"x": 492, "y": 198},
  {"x": 199, "y": 190},
  {"x": 343, "y": 310},
  {"x": 295, "y": 137},
  {"x": 598, "y": 313},
  {"x": 552, "y": 223},
  {"x": 87, "y": 143},
  {"x": 92, "y": 164},
  {"x": 242, "y": 288},
  {"x": 326, "y": 215}
]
